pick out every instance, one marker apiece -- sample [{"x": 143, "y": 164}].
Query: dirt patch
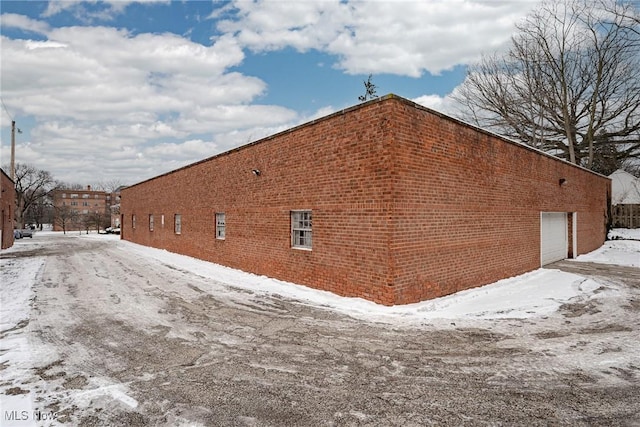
[
  {"x": 579, "y": 309},
  {"x": 633, "y": 305},
  {"x": 44, "y": 371},
  {"x": 552, "y": 334},
  {"x": 605, "y": 329},
  {"x": 76, "y": 382},
  {"x": 13, "y": 391}
]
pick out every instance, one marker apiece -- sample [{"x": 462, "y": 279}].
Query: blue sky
[{"x": 124, "y": 90}]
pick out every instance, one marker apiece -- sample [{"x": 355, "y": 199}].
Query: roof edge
[{"x": 343, "y": 111}]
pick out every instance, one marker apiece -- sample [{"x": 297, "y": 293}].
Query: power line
[{"x": 5, "y": 109}]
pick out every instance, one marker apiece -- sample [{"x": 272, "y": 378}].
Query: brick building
[
  {"x": 8, "y": 207},
  {"x": 387, "y": 200},
  {"x": 75, "y": 209}
]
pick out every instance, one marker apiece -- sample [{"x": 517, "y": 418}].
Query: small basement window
[
  {"x": 177, "y": 223},
  {"x": 301, "y": 234},
  {"x": 220, "y": 226},
  {"x": 133, "y": 221},
  {"x": 150, "y": 222}
]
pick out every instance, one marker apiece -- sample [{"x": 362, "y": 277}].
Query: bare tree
[
  {"x": 629, "y": 16},
  {"x": 32, "y": 186},
  {"x": 370, "y": 90},
  {"x": 568, "y": 85},
  {"x": 65, "y": 217},
  {"x": 40, "y": 211},
  {"x": 98, "y": 220},
  {"x": 110, "y": 186}
]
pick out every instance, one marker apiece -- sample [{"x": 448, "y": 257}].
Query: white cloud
[
  {"x": 401, "y": 37},
  {"x": 444, "y": 104},
  {"x": 12, "y": 20},
  {"x": 107, "y": 10},
  {"x": 104, "y": 74},
  {"x": 102, "y": 94}
]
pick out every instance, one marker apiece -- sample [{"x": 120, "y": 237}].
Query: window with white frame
[
  {"x": 177, "y": 223},
  {"x": 150, "y": 222},
  {"x": 301, "y": 234},
  {"x": 220, "y": 226},
  {"x": 133, "y": 221}
]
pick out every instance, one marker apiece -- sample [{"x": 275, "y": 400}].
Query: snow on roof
[{"x": 625, "y": 188}]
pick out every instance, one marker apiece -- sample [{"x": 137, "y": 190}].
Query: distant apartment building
[
  {"x": 114, "y": 202},
  {"x": 81, "y": 209}
]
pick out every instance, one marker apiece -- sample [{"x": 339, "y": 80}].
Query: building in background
[
  {"x": 388, "y": 201},
  {"x": 114, "y": 200},
  {"x": 8, "y": 207},
  {"x": 625, "y": 199},
  {"x": 625, "y": 188},
  {"x": 81, "y": 209}
]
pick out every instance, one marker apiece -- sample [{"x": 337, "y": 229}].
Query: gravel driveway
[{"x": 126, "y": 340}]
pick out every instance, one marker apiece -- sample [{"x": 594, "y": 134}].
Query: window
[
  {"x": 85, "y": 196},
  {"x": 64, "y": 195},
  {"x": 74, "y": 196},
  {"x": 74, "y": 203},
  {"x": 301, "y": 229},
  {"x": 133, "y": 221},
  {"x": 177, "y": 223},
  {"x": 150, "y": 222},
  {"x": 220, "y": 226},
  {"x": 85, "y": 203}
]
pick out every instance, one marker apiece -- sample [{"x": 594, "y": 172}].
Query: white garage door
[{"x": 553, "y": 237}]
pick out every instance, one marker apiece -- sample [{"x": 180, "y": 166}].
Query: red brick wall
[
  {"x": 7, "y": 209},
  {"x": 467, "y": 205},
  {"x": 338, "y": 168},
  {"x": 407, "y": 205}
]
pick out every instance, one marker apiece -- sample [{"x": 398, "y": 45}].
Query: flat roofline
[{"x": 347, "y": 110}]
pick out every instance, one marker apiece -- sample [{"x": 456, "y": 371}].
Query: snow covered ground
[{"x": 534, "y": 295}]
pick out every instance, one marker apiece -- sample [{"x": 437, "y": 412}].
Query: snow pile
[
  {"x": 617, "y": 252},
  {"x": 624, "y": 233},
  {"x": 533, "y": 294},
  {"x": 18, "y": 276}
]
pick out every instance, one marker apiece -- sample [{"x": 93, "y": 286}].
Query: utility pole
[{"x": 13, "y": 150}]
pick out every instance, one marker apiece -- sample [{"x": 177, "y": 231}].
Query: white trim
[
  {"x": 552, "y": 252},
  {"x": 307, "y": 232},
  {"x": 574, "y": 234},
  {"x": 221, "y": 226}
]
